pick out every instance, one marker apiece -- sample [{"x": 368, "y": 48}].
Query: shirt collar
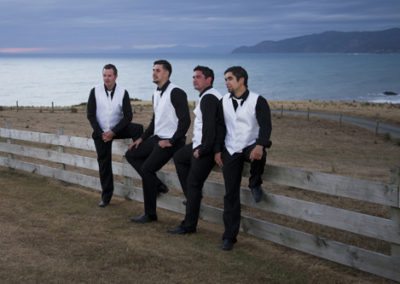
[
  {"x": 113, "y": 89},
  {"x": 205, "y": 90},
  {"x": 164, "y": 87},
  {"x": 242, "y": 97}
]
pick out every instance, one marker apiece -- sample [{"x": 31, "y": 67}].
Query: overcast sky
[{"x": 115, "y": 25}]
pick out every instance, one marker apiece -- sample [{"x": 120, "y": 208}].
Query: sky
[{"x": 73, "y": 26}]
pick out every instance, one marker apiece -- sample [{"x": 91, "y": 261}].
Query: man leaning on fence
[
  {"x": 109, "y": 112},
  {"x": 243, "y": 133},
  {"x": 195, "y": 161},
  {"x": 165, "y": 135}
]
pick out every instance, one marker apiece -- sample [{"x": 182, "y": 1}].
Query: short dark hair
[
  {"x": 207, "y": 72},
  {"x": 238, "y": 72},
  {"x": 166, "y": 65},
  {"x": 111, "y": 66}
]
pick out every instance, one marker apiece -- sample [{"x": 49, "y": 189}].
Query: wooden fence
[{"x": 18, "y": 148}]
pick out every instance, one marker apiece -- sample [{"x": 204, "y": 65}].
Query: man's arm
[
  {"x": 209, "y": 109},
  {"x": 263, "y": 116},
  {"x": 180, "y": 103},
  {"x": 221, "y": 129},
  {"x": 127, "y": 111},
  {"x": 149, "y": 130},
  {"x": 91, "y": 114}
]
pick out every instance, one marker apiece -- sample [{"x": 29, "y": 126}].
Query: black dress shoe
[
  {"x": 227, "y": 244},
  {"x": 162, "y": 188},
  {"x": 142, "y": 219},
  {"x": 257, "y": 193},
  {"x": 103, "y": 204},
  {"x": 179, "y": 230}
]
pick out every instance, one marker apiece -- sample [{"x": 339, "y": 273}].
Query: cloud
[
  {"x": 149, "y": 23},
  {"x": 16, "y": 50},
  {"x": 153, "y": 46}
]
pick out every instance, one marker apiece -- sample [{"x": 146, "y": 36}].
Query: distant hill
[{"x": 386, "y": 41}]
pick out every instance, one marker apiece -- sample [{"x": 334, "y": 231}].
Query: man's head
[
  {"x": 203, "y": 78},
  {"x": 162, "y": 70},
  {"x": 236, "y": 79},
  {"x": 110, "y": 74}
]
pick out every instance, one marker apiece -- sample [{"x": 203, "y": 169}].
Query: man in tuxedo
[
  {"x": 109, "y": 112},
  {"x": 163, "y": 137}
]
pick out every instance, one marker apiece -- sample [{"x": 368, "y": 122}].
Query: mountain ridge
[{"x": 384, "y": 41}]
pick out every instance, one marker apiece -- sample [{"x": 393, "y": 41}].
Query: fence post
[
  {"x": 395, "y": 212},
  {"x": 308, "y": 114},
  {"x": 281, "y": 110},
  {"x": 17, "y": 105},
  {"x": 52, "y": 106},
  {"x": 340, "y": 120},
  {"x": 377, "y": 128},
  {"x": 61, "y": 149},
  {"x": 9, "y": 141},
  {"x": 128, "y": 181}
]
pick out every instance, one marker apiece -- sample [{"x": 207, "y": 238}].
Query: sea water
[{"x": 67, "y": 80}]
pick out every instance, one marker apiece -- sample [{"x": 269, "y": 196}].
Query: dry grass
[
  {"x": 384, "y": 112},
  {"x": 53, "y": 232}
]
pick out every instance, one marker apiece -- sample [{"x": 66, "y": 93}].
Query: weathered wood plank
[
  {"x": 47, "y": 138},
  {"x": 342, "y": 219},
  {"x": 372, "y": 262},
  {"x": 60, "y": 174},
  {"x": 75, "y": 178},
  {"x": 336, "y": 185},
  {"x": 50, "y": 155},
  {"x": 395, "y": 213},
  {"x": 65, "y": 158},
  {"x": 370, "y": 191},
  {"x": 119, "y": 146}
]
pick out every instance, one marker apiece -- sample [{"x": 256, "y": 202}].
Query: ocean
[{"x": 67, "y": 80}]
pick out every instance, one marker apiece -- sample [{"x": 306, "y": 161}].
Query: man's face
[
  {"x": 160, "y": 75},
  {"x": 200, "y": 82},
  {"x": 109, "y": 78},
  {"x": 232, "y": 84}
]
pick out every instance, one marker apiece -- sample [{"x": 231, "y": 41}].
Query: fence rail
[{"x": 14, "y": 146}]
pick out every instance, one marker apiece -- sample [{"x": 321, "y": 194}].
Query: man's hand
[
  {"x": 218, "y": 159},
  {"x": 164, "y": 143},
  {"x": 196, "y": 153},
  {"x": 108, "y": 136},
  {"x": 257, "y": 153},
  {"x": 135, "y": 144}
]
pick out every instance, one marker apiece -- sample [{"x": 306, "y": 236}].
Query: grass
[{"x": 54, "y": 232}]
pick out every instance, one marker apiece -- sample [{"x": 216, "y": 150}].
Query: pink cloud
[{"x": 21, "y": 49}]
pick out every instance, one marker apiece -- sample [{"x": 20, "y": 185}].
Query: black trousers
[
  {"x": 104, "y": 158},
  {"x": 147, "y": 159},
  {"x": 232, "y": 172},
  {"x": 192, "y": 174}
]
